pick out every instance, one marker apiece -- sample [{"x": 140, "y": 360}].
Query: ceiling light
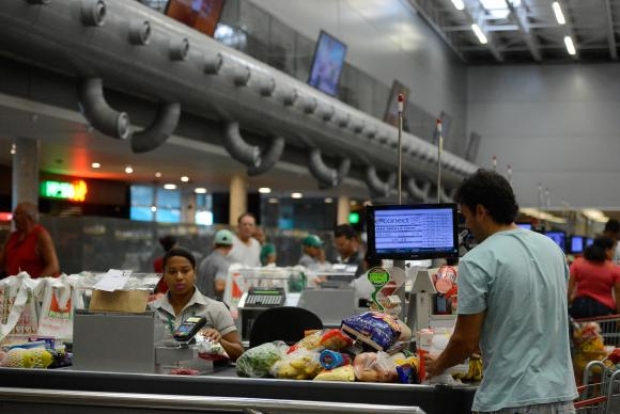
[
  {"x": 595, "y": 215},
  {"x": 129, "y": 169},
  {"x": 157, "y": 174},
  {"x": 496, "y": 8},
  {"x": 481, "y": 37},
  {"x": 559, "y": 16},
  {"x": 328, "y": 200},
  {"x": 95, "y": 165},
  {"x": 13, "y": 149},
  {"x": 353, "y": 202},
  {"x": 153, "y": 208},
  {"x": 570, "y": 47},
  {"x": 200, "y": 190},
  {"x": 296, "y": 195},
  {"x": 185, "y": 178},
  {"x": 458, "y": 4},
  {"x": 170, "y": 186},
  {"x": 273, "y": 200},
  {"x": 264, "y": 190}
]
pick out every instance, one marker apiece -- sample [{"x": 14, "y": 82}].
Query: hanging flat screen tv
[
  {"x": 559, "y": 237},
  {"x": 202, "y": 15},
  {"x": 412, "y": 232},
  {"x": 327, "y": 64}
]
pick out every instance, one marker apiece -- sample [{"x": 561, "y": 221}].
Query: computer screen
[
  {"x": 525, "y": 225},
  {"x": 559, "y": 237},
  {"x": 577, "y": 244},
  {"x": 412, "y": 232},
  {"x": 589, "y": 241},
  {"x": 327, "y": 64},
  {"x": 202, "y": 15}
]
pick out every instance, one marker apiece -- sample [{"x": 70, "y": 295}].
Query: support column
[
  {"x": 25, "y": 171},
  {"x": 238, "y": 198},
  {"x": 344, "y": 208}
]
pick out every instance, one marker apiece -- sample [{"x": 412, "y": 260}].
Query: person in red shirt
[
  {"x": 593, "y": 278},
  {"x": 30, "y": 247}
]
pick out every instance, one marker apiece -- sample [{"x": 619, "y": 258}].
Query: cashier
[{"x": 184, "y": 300}]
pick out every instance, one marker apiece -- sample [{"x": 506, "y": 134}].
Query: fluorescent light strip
[
  {"x": 481, "y": 37},
  {"x": 570, "y": 47},
  {"x": 559, "y": 16},
  {"x": 458, "y": 4}
]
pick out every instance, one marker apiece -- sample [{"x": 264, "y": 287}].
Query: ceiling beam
[
  {"x": 611, "y": 34},
  {"x": 519, "y": 15},
  {"x": 475, "y": 13}
]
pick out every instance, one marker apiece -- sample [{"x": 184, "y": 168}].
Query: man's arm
[
  {"x": 48, "y": 252},
  {"x": 463, "y": 342}
]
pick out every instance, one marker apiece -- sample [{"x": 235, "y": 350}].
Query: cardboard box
[{"x": 123, "y": 301}]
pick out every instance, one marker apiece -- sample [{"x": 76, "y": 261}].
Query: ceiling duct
[
  {"x": 418, "y": 193},
  {"x": 140, "y": 32},
  {"x": 238, "y": 148},
  {"x": 326, "y": 176},
  {"x": 271, "y": 155},
  {"x": 376, "y": 186},
  {"x": 98, "y": 113},
  {"x": 212, "y": 63},
  {"x": 164, "y": 124}
]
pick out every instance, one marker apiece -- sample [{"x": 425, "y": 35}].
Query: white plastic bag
[
  {"x": 18, "y": 307},
  {"x": 60, "y": 299}
]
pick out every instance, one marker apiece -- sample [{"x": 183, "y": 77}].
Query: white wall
[{"x": 555, "y": 125}]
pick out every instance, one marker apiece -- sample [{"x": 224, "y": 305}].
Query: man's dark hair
[
  {"x": 597, "y": 251},
  {"x": 493, "y": 192},
  {"x": 248, "y": 214},
  {"x": 345, "y": 230},
  {"x": 182, "y": 253},
  {"x": 612, "y": 226}
]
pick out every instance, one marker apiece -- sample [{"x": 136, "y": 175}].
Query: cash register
[{"x": 255, "y": 301}]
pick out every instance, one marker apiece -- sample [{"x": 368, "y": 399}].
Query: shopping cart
[
  {"x": 609, "y": 328},
  {"x": 600, "y": 396}
]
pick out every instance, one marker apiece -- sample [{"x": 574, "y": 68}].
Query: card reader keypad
[{"x": 264, "y": 300}]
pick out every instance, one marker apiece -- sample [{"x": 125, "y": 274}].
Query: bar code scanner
[{"x": 188, "y": 329}]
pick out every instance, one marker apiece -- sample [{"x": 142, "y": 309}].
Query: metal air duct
[
  {"x": 98, "y": 113},
  {"x": 418, "y": 193},
  {"x": 166, "y": 121},
  {"x": 238, "y": 148},
  {"x": 326, "y": 176},
  {"x": 376, "y": 186},
  {"x": 270, "y": 157}
]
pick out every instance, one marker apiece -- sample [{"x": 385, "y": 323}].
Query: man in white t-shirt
[{"x": 246, "y": 249}]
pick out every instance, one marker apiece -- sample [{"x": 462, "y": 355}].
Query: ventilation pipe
[
  {"x": 93, "y": 12},
  {"x": 376, "y": 185},
  {"x": 212, "y": 63},
  {"x": 140, "y": 32},
  {"x": 357, "y": 125},
  {"x": 166, "y": 121},
  {"x": 326, "y": 176},
  {"x": 306, "y": 103},
  {"x": 269, "y": 158},
  {"x": 98, "y": 113},
  {"x": 446, "y": 197},
  {"x": 326, "y": 112},
  {"x": 418, "y": 193},
  {"x": 238, "y": 148}
]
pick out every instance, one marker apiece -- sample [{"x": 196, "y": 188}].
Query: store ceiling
[{"x": 529, "y": 32}]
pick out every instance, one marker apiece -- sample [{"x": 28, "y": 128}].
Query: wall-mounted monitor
[
  {"x": 559, "y": 237},
  {"x": 327, "y": 64},
  {"x": 202, "y": 15},
  {"x": 525, "y": 225},
  {"x": 412, "y": 232},
  {"x": 391, "y": 109},
  {"x": 576, "y": 244},
  {"x": 589, "y": 241}
]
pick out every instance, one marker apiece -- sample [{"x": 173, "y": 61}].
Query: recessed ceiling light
[
  {"x": 185, "y": 178},
  {"x": 296, "y": 195},
  {"x": 95, "y": 165},
  {"x": 200, "y": 190},
  {"x": 353, "y": 202},
  {"x": 170, "y": 186},
  {"x": 328, "y": 200},
  {"x": 153, "y": 208},
  {"x": 264, "y": 190},
  {"x": 13, "y": 149},
  {"x": 157, "y": 174},
  {"x": 273, "y": 200},
  {"x": 129, "y": 169}
]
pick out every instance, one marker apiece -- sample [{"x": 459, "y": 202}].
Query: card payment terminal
[{"x": 265, "y": 297}]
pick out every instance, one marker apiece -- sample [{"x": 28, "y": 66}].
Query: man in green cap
[
  {"x": 313, "y": 257},
  {"x": 213, "y": 270}
]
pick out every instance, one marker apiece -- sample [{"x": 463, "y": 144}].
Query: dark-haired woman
[
  {"x": 184, "y": 300},
  {"x": 593, "y": 278}
]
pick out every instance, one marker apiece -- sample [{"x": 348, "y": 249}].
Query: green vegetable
[{"x": 255, "y": 362}]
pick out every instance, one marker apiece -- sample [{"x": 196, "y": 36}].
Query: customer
[
  {"x": 313, "y": 257},
  {"x": 612, "y": 230},
  {"x": 184, "y": 300},
  {"x": 348, "y": 246},
  {"x": 594, "y": 280},
  {"x": 30, "y": 247},
  {"x": 268, "y": 254},
  {"x": 512, "y": 303},
  {"x": 246, "y": 249},
  {"x": 213, "y": 270}
]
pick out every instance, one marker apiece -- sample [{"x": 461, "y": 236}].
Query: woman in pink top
[{"x": 593, "y": 277}]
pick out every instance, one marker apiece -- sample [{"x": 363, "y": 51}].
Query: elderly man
[
  {"x": 29, "y": 248},
  {"x": 246, "y": 249}
]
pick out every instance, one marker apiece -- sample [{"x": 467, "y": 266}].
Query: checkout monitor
[
  {"x": 412, "y": 232},
  {"x": 576, "y": 244},
  {"x": 559, "y": 237}
]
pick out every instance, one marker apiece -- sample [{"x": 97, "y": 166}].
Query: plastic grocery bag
[
  {"x": 60, "y": 299},
  {"x": 301, "y": 364},
  {"x": 18, "y": 307},
  {"x": 256, "y": 362}
]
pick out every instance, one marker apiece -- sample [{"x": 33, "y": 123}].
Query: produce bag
[
  {"x": 375, "y": 367},
  {"x": 343, "y": 374},
  {"x": 255, "y": 362},
  {"x": 18, "y": 308},
  {"x": 301, "y": 364},
  {"x": 375, "y": 330},
  {"x": 60, "y": 299},
  {"x": 210, "y": 350}
]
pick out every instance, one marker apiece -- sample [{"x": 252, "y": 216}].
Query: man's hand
[{"x": 430, "y": 365}]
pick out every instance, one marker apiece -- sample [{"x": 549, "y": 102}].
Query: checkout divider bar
[{"x": 33, "y": 397}]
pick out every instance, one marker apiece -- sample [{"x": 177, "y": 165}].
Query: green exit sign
[
  {"x": 354, "y": 218},
  {"x": 75, "y": 191}
]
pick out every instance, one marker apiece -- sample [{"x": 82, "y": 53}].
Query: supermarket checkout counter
[{"x": 221, "y": 384}]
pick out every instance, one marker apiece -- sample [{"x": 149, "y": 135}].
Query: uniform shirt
[
  {"x": 218, "y": 316},
  {"x": 244, "y": 254},
  {"x": 213, "y": 267},
  {"x": 23, "y": 255},
  {"x": 595, "y": 280},
  {"x": 519, "y": 278}
]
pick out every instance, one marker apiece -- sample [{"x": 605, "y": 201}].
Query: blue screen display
[
  {"x": 327, "y": 64},
  {"x": 559, "y": 237},
  {"x": 577, "y": 244}
]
